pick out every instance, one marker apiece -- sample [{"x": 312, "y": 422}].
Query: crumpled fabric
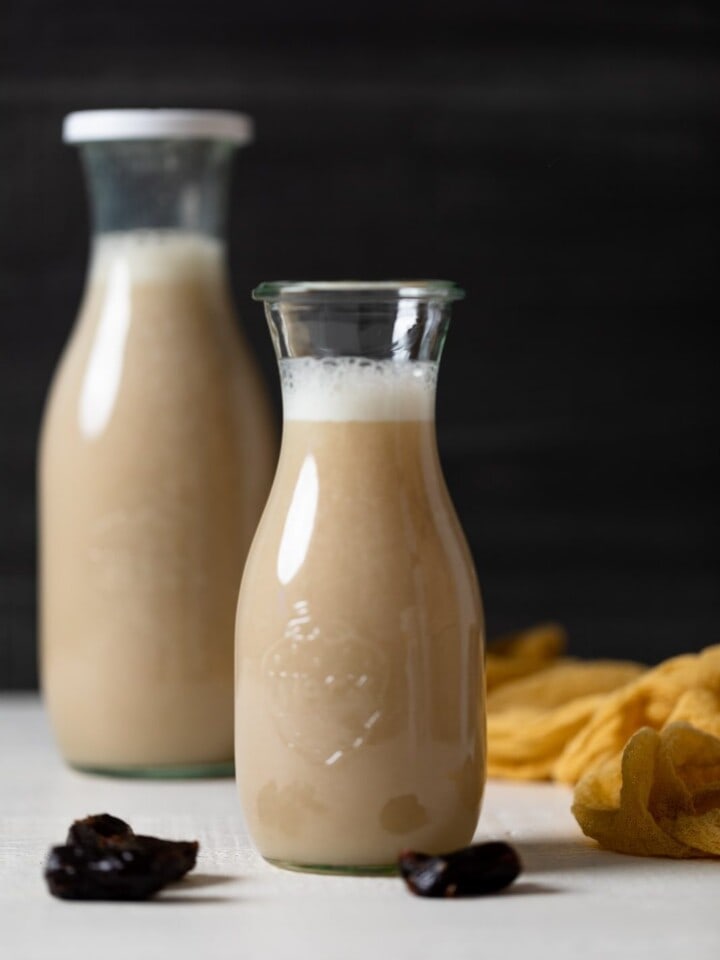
[
  {"x": 519, "y": 654},
  {"x": 659, "y": 797},
  {"x": 641, "y": 746}
]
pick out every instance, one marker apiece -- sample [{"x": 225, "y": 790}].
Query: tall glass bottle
[
  {"x": 359, "y": 694},
  {"x": 156, "y": 455}
]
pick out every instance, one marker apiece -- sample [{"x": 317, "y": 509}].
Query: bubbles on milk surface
[
  {"x": 157, "y": 256},
  {"x": 355, "y": 388}
]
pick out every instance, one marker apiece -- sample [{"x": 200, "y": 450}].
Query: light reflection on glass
[
  {"x": 299, "y": 522},
  {"x": 104, "y": 369},
  {"x": 405, "y": 324}
]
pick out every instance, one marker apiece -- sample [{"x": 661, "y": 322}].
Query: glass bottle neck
[
  {"x": 158, "y": 185},
  {"x": 358, "y": 351},
  {"x": 388, "y": 322}
]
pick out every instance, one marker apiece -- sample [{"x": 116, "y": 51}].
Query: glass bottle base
[
  {"x": 349, "y": 870},
  {"x": 170, "y": 771}
]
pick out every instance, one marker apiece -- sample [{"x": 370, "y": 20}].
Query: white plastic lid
[{"x": 88, "y": 126}]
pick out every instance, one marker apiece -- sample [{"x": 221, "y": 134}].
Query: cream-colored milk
[
  {"x": 156, "y": 457},
  {"x": 359, "y": 630}
]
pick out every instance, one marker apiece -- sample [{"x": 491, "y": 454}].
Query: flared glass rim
[{"x": 354, "y": 290}]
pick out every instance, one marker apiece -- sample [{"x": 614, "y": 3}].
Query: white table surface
[{"x": 572, "y": 901}]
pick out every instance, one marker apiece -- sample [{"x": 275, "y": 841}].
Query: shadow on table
[
  {"x": 184, "y": 890},
  {"x": 525, "y": 888},
  {"x": 562, "y": 855}
]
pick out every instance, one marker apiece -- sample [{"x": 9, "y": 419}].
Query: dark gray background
[{"x": 555, "y": 159}]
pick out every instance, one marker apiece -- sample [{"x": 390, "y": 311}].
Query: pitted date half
[
  {"x": 103, "y": 859},
  {"x": 471, "y": 872}
]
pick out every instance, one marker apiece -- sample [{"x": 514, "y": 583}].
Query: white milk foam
[
  {"x": 353, "y": 388},
  {"x": 155, "y": 255}
]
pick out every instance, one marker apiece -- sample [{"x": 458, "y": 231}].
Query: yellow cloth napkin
[
  {"x": 642, "y": 745},
  {"x": 518, "y": 654}
]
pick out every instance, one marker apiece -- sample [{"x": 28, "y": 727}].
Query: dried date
[
  {"x": 471, "y": 872},
  {"x": 103, "y": 859}
]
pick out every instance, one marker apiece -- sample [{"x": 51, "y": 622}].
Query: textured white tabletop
[{"x": 572, "y": 901}]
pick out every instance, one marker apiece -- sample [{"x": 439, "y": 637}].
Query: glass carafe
[
  {"x": 156, "y": 457},
  {"x": 359, "y": 668}
]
